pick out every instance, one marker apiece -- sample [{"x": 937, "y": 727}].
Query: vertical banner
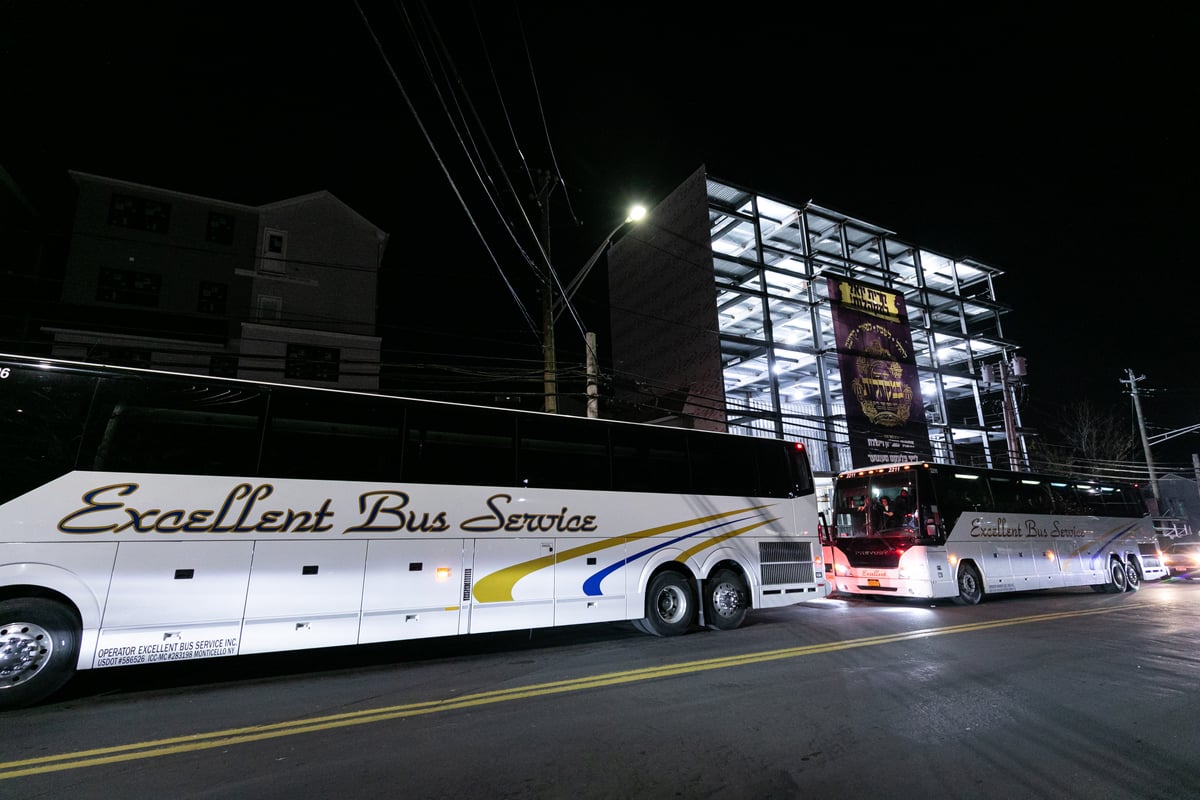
[{"x": 882, "y": 392}]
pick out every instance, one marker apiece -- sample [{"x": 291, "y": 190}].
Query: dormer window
[{"x": 274, "y": 252}]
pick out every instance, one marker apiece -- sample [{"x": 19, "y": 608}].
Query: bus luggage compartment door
[
  {"x": 174, "y": 600},
  {"x": 414, "y": 589},
  {"x": 304, "y": 594}
]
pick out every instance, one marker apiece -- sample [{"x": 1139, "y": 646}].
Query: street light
[
  {"x": 636, "y": 214},
  {"x": 552, "y": 308}
]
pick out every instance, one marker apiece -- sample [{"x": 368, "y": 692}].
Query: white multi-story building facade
[{"x": 722, "y": 317}]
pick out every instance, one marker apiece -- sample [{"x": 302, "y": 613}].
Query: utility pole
[
  {"x": 1137, "y": 408},
  {"x": 1010, "y": 417},
  {"x": 1196, "y": 469},
  {"x": 1009, "y": 375},
  {"x": 549, "y": 358},
  {"x": 593, "y": 377}
]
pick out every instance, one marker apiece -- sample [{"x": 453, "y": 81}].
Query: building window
[
  {"x": 220, "y": 228},
  {"x": 274, "y": 253},
  {"x": 128, "y": 287},
  {"x": 270, "y": 309},
  {"x": 310, "y": 362},
  {"x": 223, "y": 366},
  {"x": 139, "y": 213},
  {"x": 212, "y": 297}
]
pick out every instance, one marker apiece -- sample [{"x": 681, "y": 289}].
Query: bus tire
[
  {"x": 970, "y": 586},
  {"x": 39, "y": 645},
  {"x": 669, "y": 605},
  {"x": 1133, "y": 578},
  {"x": 1116, "y": 577},
  {"x": 726, "y": 600}
]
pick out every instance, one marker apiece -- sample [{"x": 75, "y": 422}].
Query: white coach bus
[
  {"x": 927, "y": 530},
  {"x": 147, "y": 517}
]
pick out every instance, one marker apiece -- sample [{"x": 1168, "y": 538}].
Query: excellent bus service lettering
[{"x": 379, "y": 511}]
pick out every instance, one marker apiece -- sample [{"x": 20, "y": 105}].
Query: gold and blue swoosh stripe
[
  {"x": 1119, "y": 533},
  {"x": 498, "y": 586},
  {"x": 1103, "y": 545}
]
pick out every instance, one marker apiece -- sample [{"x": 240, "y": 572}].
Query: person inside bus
[
  {"x": 887, "y": 514},
  {"x": 906, "y": 509}
]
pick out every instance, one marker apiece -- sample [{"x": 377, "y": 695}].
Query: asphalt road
[{"x": 1067, "y": 694}]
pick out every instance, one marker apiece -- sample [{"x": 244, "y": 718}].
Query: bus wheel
[
  {"x": 970, "y": 586},
  {"x": 726, "y": 600},
  {"x": 1117, "y": 582},
  {"x": 1133, "y": 578},
  {"x": 669, "y": 607},
  {"x": 39, "y": 644}
]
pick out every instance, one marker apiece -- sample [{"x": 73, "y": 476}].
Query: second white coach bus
[
  {"x": 925, "y": 530},
  {"x": 147, "y": 517}
]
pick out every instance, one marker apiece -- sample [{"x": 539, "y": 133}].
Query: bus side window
[
  {"x": 42, "y": 416},
  {"x": 650, "y": 460},
  {"x": 1004, "y": 495},
  {"x": 1063, "y": 499},
  {"x": 472, "y": 446},
  {"x": 800, "y": 481},
  {"x": 719, "y": 465},
  {"x": 562, "y": 453},
  {"x": 1039, "y": 500},
  {"x": 953, "y": 500},
  {"x": 1131, "y": 503},
  {"x": 174, "y": 425},
  {"x": 314, "y": 435},
  {"x": 1032, "y": 498},
  {"x": 1090, "y": 502}
]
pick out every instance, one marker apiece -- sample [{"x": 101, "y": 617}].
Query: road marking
[{"x": 234, "y": 736}]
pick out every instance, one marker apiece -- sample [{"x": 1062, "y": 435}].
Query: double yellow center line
[{"x": 235, "y": 736}]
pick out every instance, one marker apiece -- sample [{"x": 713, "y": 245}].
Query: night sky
[{"x": 1057, "y": 147}]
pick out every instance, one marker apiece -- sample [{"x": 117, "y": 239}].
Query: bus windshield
[{"x": 883, "y": 504}]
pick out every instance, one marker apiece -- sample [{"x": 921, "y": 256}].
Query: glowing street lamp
[
  {"x": 636, "y": 214},
  {"x": 553, "y": 307}
]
